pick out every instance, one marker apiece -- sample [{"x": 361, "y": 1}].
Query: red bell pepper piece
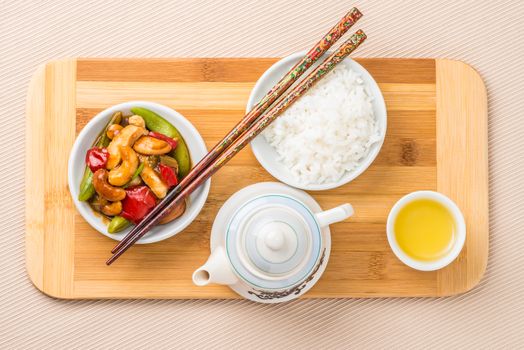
[
  {"x": 168, "y": 175},
  {"x": 172, "y": 142},
  {"x": 139, "y": 201},
  {"x": 96, "y": 158}
]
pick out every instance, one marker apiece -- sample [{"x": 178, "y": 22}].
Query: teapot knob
[{"x": 275, "y": 240}]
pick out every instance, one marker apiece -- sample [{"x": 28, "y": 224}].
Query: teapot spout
[
  {"x": 216, "y": 270},
  {"x": 336, "y": 214}
]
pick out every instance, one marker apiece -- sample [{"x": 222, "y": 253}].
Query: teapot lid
[{"x": 273, "y": 241}]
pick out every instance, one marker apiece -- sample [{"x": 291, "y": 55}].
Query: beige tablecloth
[{"x": 486, "y": 34}]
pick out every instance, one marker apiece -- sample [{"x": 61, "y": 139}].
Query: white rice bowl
[{"x": 329, "y": 131}]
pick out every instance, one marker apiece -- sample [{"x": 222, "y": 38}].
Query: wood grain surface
[{"x": 436, "y": 140}]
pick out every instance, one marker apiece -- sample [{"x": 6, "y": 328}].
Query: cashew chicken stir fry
[{"x": 132, "y": 165}]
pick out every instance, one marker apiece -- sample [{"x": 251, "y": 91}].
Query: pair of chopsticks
[{"x": 252, "y": 124}]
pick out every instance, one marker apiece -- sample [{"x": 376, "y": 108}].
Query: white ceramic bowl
[
  {"x": 267, "y": 155},
  {"x": 84, "y": 141},
  {"x": 460, "y": 234}
]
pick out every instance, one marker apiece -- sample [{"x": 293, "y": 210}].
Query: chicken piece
[{"x": 153, "y": 180}]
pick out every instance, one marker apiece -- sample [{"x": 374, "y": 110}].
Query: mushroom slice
[
  {"x": 123, "y": 173},
  {"x": 151, "y": 146},
  {"x": 175, "y": 213},
  {"x": 126, "y": 137},
  {"x": 104, "y": 189},
  {"x": 170, "y": 162},
  {"x": 153, "y": 180},
  {"x": 97, "y": 202}
]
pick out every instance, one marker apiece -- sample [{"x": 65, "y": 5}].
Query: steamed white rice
[{"x": 328, "y": 131}]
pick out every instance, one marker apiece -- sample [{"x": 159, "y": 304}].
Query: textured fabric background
[{"x": 486, "y": 34}]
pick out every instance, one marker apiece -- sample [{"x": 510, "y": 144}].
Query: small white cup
[{"x": 460, "y": 234}]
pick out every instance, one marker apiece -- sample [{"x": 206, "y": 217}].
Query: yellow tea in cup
[{"x": 425, "y": 229}]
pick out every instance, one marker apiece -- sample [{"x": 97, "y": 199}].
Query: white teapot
[{"x": 270, "y": 243}]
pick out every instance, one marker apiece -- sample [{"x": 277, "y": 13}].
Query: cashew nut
[
  {"x": 126, "y": 137},
  {"x": 121, "y": 175},
  {"x": 137, "y": 120},
  {"x": 113, "y": 130},
  {"x": 151, "y": 146},
  {"x": 112, "y": 208},
  {"x": 176, "y": 212},
  {"x": 153, "y": 180},
  {"x": 104, "y": 189},
  {"x": 106, "y": 207}
]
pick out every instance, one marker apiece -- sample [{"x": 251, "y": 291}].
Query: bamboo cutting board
[{"x": 436, "y": 140}]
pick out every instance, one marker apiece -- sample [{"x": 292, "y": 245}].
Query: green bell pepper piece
[
  {"x": 87, "y": 190},
  {"x": 118, "y": 224}
]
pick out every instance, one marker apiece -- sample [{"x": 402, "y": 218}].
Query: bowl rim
[
  {"x": 87, "y": 213},
  {"x": 349, "y": 176},
  {"x": 460, "y": 233}
]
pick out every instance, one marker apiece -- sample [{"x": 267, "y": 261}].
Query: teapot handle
[{"x": 336, "y": 214}]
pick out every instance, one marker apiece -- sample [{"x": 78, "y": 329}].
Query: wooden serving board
[{"x": 436, "y": 140}]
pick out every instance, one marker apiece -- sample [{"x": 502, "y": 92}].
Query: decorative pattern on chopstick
[
  {"x": 314, "y": 54},
  {"x": 345, "y": 49},
  {"x": 291, "y": 76},
  {"x": 349, "y": 46}
]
